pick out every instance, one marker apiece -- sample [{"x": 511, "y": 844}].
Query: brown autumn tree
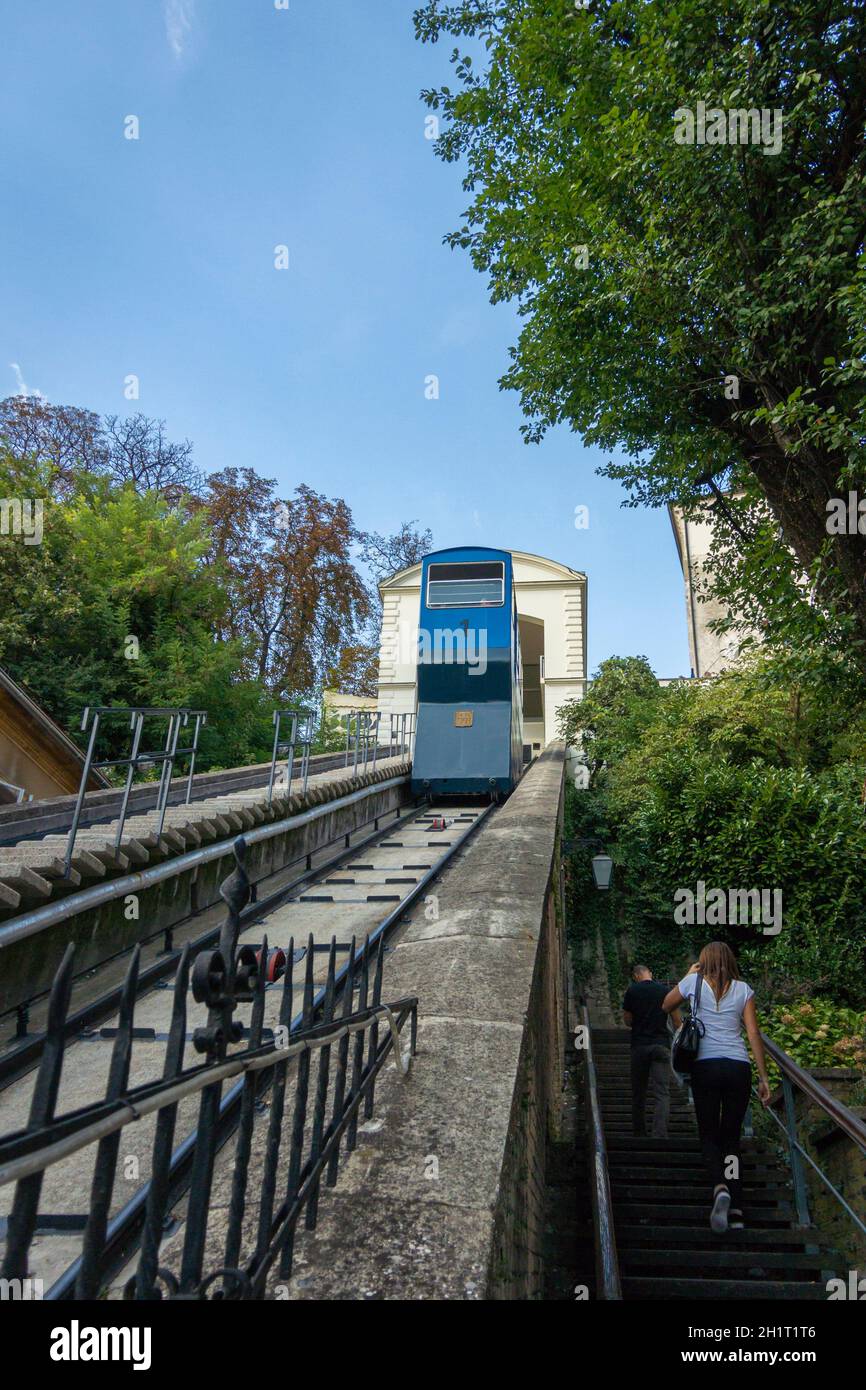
[
  {"x": 296, "y": 599},
  {"x": 130, "y": 449},
  {"x": 65, "y": 436}
]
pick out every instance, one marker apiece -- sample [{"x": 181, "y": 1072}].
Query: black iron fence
[{"x": 317, "y": 1070}]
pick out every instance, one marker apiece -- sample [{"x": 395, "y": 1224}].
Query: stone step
[
  {"x": 761, "y": 1261},
  {"x": 661, "y": 1289},
  {"x": 630, "y": 1234},
  {"x": 697, "y": 1190},
  {"x": 754, "y": 1179},
  {"x": 661, "y": 1213}
]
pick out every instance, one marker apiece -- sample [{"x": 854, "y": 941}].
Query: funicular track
[
  {"x": 98, "y": 987},
  {"x": 344, "y": 910}
]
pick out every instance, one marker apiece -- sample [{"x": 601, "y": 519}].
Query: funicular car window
[{"x": 480, "y": 584}]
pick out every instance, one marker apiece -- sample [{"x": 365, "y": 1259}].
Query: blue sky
[{"x": 262, "y": 127}]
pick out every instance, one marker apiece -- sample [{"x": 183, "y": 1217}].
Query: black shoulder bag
[{"x": 687, "y": 1039}]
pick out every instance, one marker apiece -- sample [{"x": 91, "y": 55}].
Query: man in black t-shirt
[{"x": 650, "y": 1050}]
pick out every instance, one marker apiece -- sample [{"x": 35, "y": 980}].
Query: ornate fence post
[{"x": 221, "y": 979}]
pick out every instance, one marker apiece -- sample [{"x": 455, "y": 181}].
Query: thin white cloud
[
  {"x": 178, "y": 16},
  {"x": 460, "y": 328},
  {"x": 23, "y": 388}
]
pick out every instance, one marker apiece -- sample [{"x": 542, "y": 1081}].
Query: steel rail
[
  {"x": 608, "y": 1285},
  {"x": 795, "y": 1144},
  {"x": 411, "y": 897},
  {"x": 31, "y": 923},
  {"x": 837, "y": 1112},
  {"x": 124, "y": 1229}
]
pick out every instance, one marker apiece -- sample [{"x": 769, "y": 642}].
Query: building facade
[
  {"x": 551, "y": 607},
  {"x": 709, "y": 652}
]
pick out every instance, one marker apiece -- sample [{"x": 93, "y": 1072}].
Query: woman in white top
[{"x": 722, "y": 1075}]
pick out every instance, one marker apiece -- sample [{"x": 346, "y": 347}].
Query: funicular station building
[{"x": 551, "y": 606}]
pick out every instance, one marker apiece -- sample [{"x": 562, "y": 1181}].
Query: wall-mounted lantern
[{"x": 602, "y": 869}]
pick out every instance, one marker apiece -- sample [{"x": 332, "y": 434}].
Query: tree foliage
[
  {"x": 153, "y": 587},
  {"x": 64, "y": 438},
  {"x": 738, "y": 783},
  {"x": 130, "y": 449},
  {"x": 651, "y": 273},
  {"x": 295, "y": 598},
  {"x": 117, "y": 606},
  {"x": 382, "y": 556}
]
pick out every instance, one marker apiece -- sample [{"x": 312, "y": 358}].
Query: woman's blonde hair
[{"x": 718, "y": 967}]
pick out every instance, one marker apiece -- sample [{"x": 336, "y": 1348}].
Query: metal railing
[
  {"x": 366, "y": 737},
  {"x": 607, "y": 1277},
  {"x": 301, "y": 735},
  {"x": 257, "y": 1237},
  {"x": 19, "y": 794},
  {"x": 176, "y": 719},
  {"x": 844, "y": 1119},
  {"x": 401, "y": 734},
  {"x": 362, "y": 738},
  {"x": 38, "y": 918}
]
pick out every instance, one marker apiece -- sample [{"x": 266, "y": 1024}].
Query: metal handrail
[
  {"x": 363, "y": 738},
  {"x": 844, "y": 1119},
  {"x": 838, "y": 1112},
  {"x": 301, "y": 734},
  {"x": 169, "y": 956},
  {"x": 177, "y": 718},
  {"x": 608, "y": 1285}
]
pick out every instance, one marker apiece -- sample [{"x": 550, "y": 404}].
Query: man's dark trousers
[{"x": 650, "y": 1065}]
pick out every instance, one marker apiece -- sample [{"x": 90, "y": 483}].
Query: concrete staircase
[{"x": 661, "y": 1200}]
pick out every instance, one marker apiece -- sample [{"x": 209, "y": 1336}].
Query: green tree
[
  {"x": 699, "y": 307},
  {"x": 149, "y": 589},
  {"x": 619, "y": 702},
  {"x": 116, "y": 605},
  {"x": 742, "y": 784}
]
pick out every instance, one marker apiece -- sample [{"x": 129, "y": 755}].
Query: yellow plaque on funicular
[{"x": 463, "y": 718}]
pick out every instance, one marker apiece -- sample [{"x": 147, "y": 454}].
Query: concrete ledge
[{"x": 443, "y": 1198}]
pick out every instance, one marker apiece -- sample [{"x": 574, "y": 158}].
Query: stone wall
[
  {"x": 443, "y": 1198},
  {"x": 516, "y": 1270}
]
